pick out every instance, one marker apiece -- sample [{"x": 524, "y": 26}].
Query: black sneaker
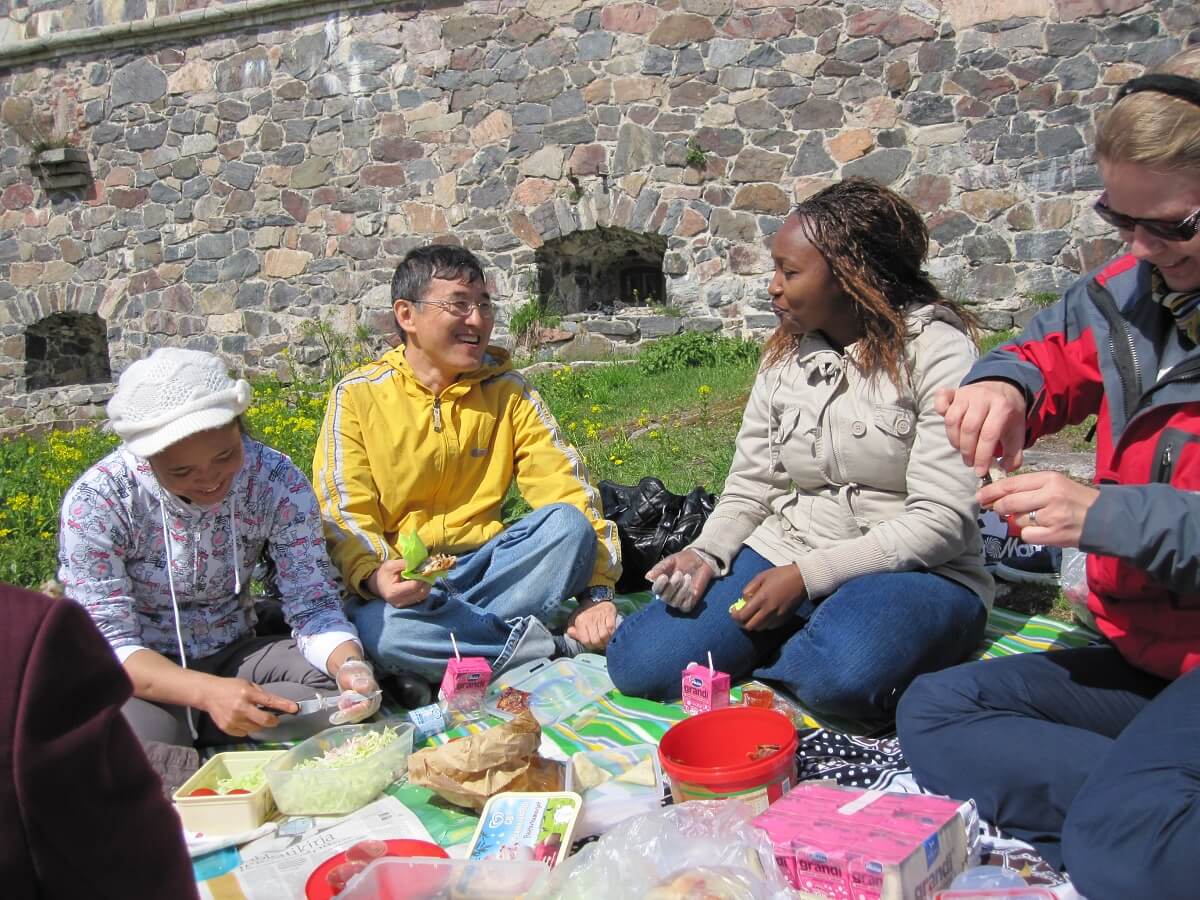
[{"x": 1011, "y": 559}]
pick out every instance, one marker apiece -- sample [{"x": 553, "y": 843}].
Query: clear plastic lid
[
  {"x": 427, "y": 879},
  {"x": 556, "y": 688},
  {"x": 615, "y": 784}
]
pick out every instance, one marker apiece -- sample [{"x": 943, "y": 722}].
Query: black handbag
[{"x": 652, "y": 523}]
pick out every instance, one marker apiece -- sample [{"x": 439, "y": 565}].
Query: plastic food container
[
  {"x": 426, "y": 879},
  {"x": 337, "y": 791},
  {"x": 527, "y": 827},
  {"x": 557, "y": 688},
  {"x": 740, "y": 752},
  {"x": 226, "y": 813},
  {"x": 613, "y": 801}
]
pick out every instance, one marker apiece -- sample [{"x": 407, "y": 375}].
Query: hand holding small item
[
  {"x": 769, "y": 599},
  {"x": 680, "y": 579},
  {"x": 984, "y": 421},
  {"x": 390, "y": 584},
  {"x": 1048, "y": 507},
  {"x": 239, "y": 707},
  {"x": 361, "y": 696}
]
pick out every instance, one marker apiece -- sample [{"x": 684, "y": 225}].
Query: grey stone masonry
[{"x": 260, "y": 164}]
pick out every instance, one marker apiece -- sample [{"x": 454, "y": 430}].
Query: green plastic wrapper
[{"x": 413, "y": 549}]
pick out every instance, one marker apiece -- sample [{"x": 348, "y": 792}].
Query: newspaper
[{"x": 276, "y": 868}]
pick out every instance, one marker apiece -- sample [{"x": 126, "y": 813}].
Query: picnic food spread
[{"x": 744, "y": 751}]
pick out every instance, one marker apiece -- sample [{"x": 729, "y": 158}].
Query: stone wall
[{"x": 273, "y": 168}]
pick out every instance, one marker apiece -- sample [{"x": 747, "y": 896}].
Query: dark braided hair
[{"x": 874, "y": 243}]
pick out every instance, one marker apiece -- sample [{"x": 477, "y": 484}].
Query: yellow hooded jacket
[{"x": 393, "y": 458}]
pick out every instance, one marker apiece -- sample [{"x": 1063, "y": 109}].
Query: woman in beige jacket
[{"x": 846, "y": 524}]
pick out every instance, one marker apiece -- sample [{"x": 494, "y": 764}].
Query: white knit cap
[{"x": 171, "y": 395}]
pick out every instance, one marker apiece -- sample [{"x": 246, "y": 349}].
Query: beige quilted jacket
[{"x": 846, "y": 476}]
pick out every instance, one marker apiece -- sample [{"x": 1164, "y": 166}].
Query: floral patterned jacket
[{"x": 113, "y": 558}]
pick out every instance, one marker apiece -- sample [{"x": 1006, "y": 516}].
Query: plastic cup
[{"x": 763, "y": 698}]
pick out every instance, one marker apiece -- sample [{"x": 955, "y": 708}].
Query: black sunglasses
[{"x": 1168, "y": 231}]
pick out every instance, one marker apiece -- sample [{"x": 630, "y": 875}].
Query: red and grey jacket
[{"x": 1099, "y": 350}]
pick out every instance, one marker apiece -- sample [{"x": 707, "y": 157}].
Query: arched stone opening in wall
[
  {"x": 66, "y": 349},
  {"x": 601, "y": 270}
]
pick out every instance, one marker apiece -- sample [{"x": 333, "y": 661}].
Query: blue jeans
[
  {"x": 1088, "y": 758},
  {"x": 849, "y": 655},
  {"x": 493, "y": 600}
]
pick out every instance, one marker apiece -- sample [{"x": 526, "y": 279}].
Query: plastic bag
[
  {"x": 652, "y": 523},
  {"x": 703, "y": 848},
  {"x": 1073, "y": 580}
]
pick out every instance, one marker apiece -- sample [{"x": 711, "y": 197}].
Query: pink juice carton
[
  {"x": 464, "y": 685},
  {"x": 843, "y": 842},
  {"x": 704, "y": 689}
]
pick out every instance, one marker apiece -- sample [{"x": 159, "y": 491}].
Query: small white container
[
  {"x": 226, "y": 813},
  {"x": 612, "y": 802}
]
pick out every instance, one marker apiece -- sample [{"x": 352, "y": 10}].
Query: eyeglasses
[
  {"x": 1167, "y": 231},
  {"x": 460, "y": 309}
]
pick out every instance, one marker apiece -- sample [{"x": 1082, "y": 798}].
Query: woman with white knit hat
[{"x": 158, "y": 541}]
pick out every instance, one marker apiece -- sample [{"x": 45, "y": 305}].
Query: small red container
[{"x": 711, "y": 756}]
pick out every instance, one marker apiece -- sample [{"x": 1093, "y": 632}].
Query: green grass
[{"x": 678, "y": 425}]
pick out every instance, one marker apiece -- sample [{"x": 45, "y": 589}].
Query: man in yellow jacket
[{"x": 428, "y": 438}]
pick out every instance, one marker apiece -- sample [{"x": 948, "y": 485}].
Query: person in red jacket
[
  {"x": 82, "y": 814},
  {"x": 1093, "y": 755}
]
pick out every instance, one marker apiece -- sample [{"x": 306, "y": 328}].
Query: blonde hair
[{"x": 1155, "y": 129}]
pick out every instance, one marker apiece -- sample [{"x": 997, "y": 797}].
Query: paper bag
[{"x": 471, "y": 769}]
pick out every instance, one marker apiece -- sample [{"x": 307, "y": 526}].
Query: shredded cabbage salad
[
  {"x": 247, "y": 781},
  {"x": 311, "y": 789}
]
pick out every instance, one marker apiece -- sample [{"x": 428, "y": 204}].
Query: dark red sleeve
[{"x": 94, "y": 820}]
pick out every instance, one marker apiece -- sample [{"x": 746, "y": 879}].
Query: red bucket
[{"x": 710, "y": 756}]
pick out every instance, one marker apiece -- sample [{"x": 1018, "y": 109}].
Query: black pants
[{"x": 1094, "y": 762}]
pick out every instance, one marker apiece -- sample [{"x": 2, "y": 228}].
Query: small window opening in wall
[
  {"x": 642, "y": 285},
  {"x": 65, "y": 349},
  {"x": 601, "y": 270}
]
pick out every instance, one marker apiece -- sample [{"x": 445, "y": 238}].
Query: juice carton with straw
[
  {"x": 465, "y": 683},
  {"x": 704, "y": 689}
]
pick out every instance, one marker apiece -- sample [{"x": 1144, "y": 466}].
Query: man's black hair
[
  {"x": 412, "y": 277},
  {"x": 422, "y": 265}
]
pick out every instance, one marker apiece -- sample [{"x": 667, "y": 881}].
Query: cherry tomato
[
  {"x": 365, "y": 851},
  {"x": 239, "y": 791},
  {"x": 203, "y": 792}
]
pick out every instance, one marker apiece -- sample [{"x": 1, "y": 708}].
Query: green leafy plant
[
  {"x": 1042, "y": 299},
  {"x": 344, "y": 351},
  {"x": 695, "y": 348},
  {"x": 40, "y": 128},
  {"x": 696, "y": 157},
  {"x": 527, "y": 320},
  {"x": 993, "y": 340},
  {"x": 667, "y": 309}
]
